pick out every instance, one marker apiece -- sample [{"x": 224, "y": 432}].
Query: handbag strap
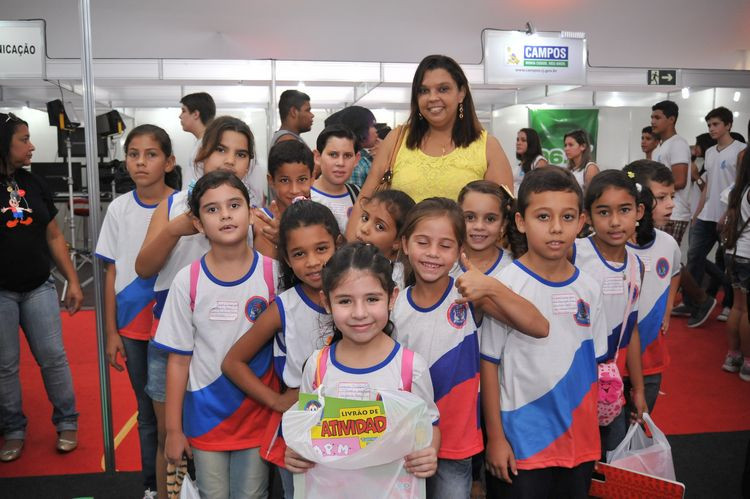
[
  {"x": 400, "y": 134},
  {"x": 631, "y": 289}
]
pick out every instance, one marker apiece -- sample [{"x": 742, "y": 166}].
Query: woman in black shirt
[{"x": 30, "y": 242}]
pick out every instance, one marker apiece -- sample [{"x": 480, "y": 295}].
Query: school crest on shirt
[
  {"x": 662, "y": 267},
  {"x": 583, "y": 313},
  {"x": 254, "y": 307},
  {"x": 457, "y": 314}
]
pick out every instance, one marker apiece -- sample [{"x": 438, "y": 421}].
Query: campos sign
[
  {"x": 22, "y": 53},
  {"x": 547, "y": 58}
]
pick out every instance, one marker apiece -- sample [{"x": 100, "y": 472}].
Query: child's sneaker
[
  {"x": 724, "y": 315},
  {"x": 745, "y": 371},
  {"x": 733, "y": 364}
]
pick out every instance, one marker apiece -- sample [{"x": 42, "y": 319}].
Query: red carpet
[
  {"x": 39, "y": 455},
  {"x": 698, "y": 397}
]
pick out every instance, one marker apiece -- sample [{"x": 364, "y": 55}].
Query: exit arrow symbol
[{"x": 667, "y": 77}]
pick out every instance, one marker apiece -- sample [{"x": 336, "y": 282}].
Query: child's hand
[
  {"x": 473, "y": 284},
  {"x": 422, "y": 463},
  {"x": 175, "y": 446},
  {"x": 285, "y": 400},
  {"x": 639, "y": 404},
  {"x": 182, "y": 226},
  {"x": 296, "y": 463},
  {"x": 665, "y": 324},
  {"x": 499, "y": 459},
  {"x": 114, "y": 345},
  {"x": 270, "y": 229}
]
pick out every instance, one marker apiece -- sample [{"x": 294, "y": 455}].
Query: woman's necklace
[{"x": 443, "y": 146}]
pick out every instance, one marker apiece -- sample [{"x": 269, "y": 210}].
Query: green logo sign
[{"x": 553, "y": 124}]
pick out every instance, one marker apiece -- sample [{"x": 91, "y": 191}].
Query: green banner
[{"x": 553, "y": 124}]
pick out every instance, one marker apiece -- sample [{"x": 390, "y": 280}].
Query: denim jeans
[
  {"x": 703, "y": 237},
  {"x": 614, "y": 433},
  {"x": 287, "y": 482},
  {"x": 452, "y": 480},
  {"x": 231, "y": 474},
  {"x": 137, "y": 364},
  {"x": 37, "y": 312}
]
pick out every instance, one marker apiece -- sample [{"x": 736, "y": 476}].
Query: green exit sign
[{"x": 662, "y": 77}]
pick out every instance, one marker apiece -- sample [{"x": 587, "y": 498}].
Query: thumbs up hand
[{"x": 473, "y": 284}]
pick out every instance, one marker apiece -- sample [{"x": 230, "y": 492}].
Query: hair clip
[
  {"x": 299, "y": 198},
  {"x": 638, "y": 187},
  {"x": 507, "y": 191},
  {"x": 631, "y": 174}
]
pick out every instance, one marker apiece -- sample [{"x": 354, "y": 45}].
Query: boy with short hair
[
  {"x": 196, "y": 112},
  {"x": 661, "y": 265},
  {"x": 337, "y": 153},
  {"x": 540, "y": 402},
  {"x": 649, "y": 141},
  {"x": 674, "y": 153},
  {"x": 290, "y": 167},
  {"x": 721, "y": 167}
]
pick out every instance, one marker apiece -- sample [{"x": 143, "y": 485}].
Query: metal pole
[{"x": 92, "y": 176}]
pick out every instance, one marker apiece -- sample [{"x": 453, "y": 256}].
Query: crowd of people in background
[{"x": 415, "y": 259}]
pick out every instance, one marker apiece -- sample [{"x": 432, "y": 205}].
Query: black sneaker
[
  {"x": 701, "y": 315},
  {"x": 682, "y": 310}
]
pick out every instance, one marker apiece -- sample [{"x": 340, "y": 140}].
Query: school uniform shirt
[
  {"x": 340, "y": 205},
  {"x": 548, "y": 386},
  {"x": 362, "y": 383},
  {"x": 661, "y": 262},
  {"x": 445, "y": 334},
  {"x": 503, "y": 260},
  {"x": 305, "y": 327},
  {"x": 186, "y": 251},
  {"x": 673, "y": 151},
  {"x": 743, "y": 240},
  {"x": 120, "y": 240},
  {"x": 217, "y": 416},
  {"x": 398, "y": 275},
  {"x": 721, "y": 170},
  {"x": 613, "y": 278}
]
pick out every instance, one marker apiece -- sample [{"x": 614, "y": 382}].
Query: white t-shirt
[
  {"x": 721, "y": 169},
  {"x": 216, "y": 414},
  {"x": 340, "y": 205},
  {"x": 743, "y": 240},
  {"x": 548, "y": 386},
  {"x": 305, "y": 327},
  {"x": 362, "y": 383},
  {"x": 398, "y": 275},
  {"x": 445, "y": 334},
  {"x": 503, "y": 260},
  {"x": 120, "y": 240},
  {"x": 518, "y": 172},
  {"x": 613, "y": 278},
  {"x": 661, "y": 262},
  {"x": 673, "y": 151},
  {"x": 188, "y": 173}
]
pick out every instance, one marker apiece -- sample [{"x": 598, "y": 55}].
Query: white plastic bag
[
  {"x": 637, "y": 452},
  {"x": 189, "y": 489},
  {"x": 375, "y": 471}
]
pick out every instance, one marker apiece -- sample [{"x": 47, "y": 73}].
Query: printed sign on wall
[
  {"x": 22, "y": 53},
  {"x": 553, "y": 124},
  {"x": 512, "y": 57}
]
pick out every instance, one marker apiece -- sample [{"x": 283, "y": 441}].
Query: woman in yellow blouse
[{"x": 444, "y": 147}]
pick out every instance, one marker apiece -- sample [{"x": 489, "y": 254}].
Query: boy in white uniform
[{"x": 337, "y": 153}]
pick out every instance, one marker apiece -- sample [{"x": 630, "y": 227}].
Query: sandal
[
  {"x": 11, "y": 450},
  {"x": 67, "y": 440}
]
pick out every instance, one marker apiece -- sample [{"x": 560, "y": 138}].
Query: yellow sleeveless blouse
[{"x": 422, "y": 176}]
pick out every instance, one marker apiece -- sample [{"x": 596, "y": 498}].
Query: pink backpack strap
[
  {"x": 268, "y": 277},
  {"x": 195, "y": 269},
  {"x": 407, "y": 368},
  {"x": 320, "y": 367}
]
